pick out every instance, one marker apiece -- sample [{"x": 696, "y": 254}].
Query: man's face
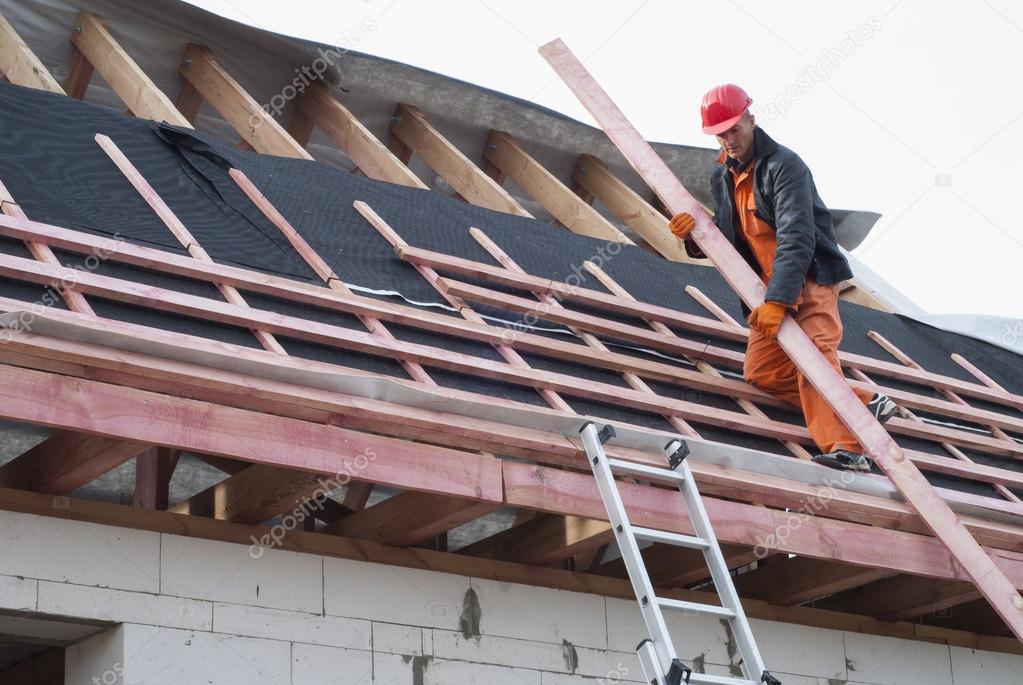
[{"x": 737, "y": 141}]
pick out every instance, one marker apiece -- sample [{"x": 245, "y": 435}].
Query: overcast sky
[{"x": 909, "y": 108}]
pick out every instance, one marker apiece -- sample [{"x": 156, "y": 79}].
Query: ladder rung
[
  {"x": 708, "y": 609},
  {"x": 643, "y": 471},
  {"x": 703, "y": 679},
  {"x": 665, "y": 537}
]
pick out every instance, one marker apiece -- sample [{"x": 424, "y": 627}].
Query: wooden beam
[
  {"x": 510, "y": 572},
  {"x": 903, "y": 597},
  {"x": 20, "y": 65},
  {"x": 568, "y": 208},
  {"x": 409, "y": 518},
  {"x": 796, "y": 580},
  {"x": 935, "y": 512},
  {"x": 66, "y": 461},
  {"x": 309, "y": 403},
  {"x": 592, "y": 175},
  {"x": 79, "y": 74},
  {"x": 254, "y": 124},
  {"x": 189, "y": 102},
  {"x": 411, "y": 127},
  {"x": 127, "y": 414},
  {"x": 143, "y": 99},
  {"x": 256, "y": 494},
  {"x": 355, "y": 140},
  {"x": 543, "y": 540},
  {"x": 361, "y": 306},
  {"x": 575, "y": 493},
  {"x": 153, "y": 471}
]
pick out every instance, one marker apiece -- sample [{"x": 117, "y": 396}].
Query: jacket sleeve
[{"x": 795, "y": 230}]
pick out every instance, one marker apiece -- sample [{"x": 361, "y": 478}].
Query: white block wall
[{"x": 185, "y": 610}]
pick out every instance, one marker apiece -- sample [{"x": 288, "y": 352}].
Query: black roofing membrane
[{"x": 64, "y": 178}]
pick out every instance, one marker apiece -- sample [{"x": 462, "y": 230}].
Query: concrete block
[
  {"x": 392, "y": 638},
  {"x": 318, "y": 665},
  {"x": 96, "y": 660},
  {"x": 76, "y": 552},
  {"x": 277, "y": 624},
  {"x": 104, "y": 604},
  {"x": 547, "y": 678},
  {"x": 801, "y": 650},
  {"x": 700, "y": 638},
  {"x": 167, "y": 656},
  {"x": 990, "y": 668},
  {"x": 391, "y": 594},
  {"x": 18, "y": 594},
  {"x": 226, "y": 572},
  {"x": 392, "y": 669},
  {"x": 542, "y": 614},
  {"x": 892, "y": 661},
  {"x": 530, "y": 654}
]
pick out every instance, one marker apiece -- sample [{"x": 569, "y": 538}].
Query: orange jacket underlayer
[{"x": 767, "y": 366}]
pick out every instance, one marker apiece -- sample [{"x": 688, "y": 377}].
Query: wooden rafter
[
  {"x": 411, "y": 127},
  {"x": 92, "y": 38},
  {"x": 371, "y": 156},
  {"x": 593, "y": 175},
  {"x": 20, "y": 65},
  {"x": 567, "y": 207},
  {"x": 68, "y": 460},
  {"x": 790, "y": 581},
  {"x": 410, "y": 518},
  {"x": 254, "y": 124},
  {"x": 153, "y": 471}
]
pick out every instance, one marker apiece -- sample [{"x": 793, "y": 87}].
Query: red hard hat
[{"x": 722, "y": 107}]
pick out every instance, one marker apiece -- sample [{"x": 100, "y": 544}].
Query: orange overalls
[{"x": 767, "y": 366}]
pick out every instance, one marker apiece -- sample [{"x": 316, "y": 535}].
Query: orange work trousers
[{"x": 769, "y": 368}]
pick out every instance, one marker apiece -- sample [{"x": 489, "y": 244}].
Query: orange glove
[
  {"x": 681, "y": 224},
  {"x": 767, "y": 318}
]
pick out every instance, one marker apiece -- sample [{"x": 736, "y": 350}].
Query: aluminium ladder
[{"x": 657, "y": 656}]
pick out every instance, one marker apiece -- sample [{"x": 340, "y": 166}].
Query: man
[{"x": 767, "y": 205}]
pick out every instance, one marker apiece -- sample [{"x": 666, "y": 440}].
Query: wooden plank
[
  {"x": 409, "y": 518},
  {"x": 256, "y": 494},
  {"x": 444, "y": 428},
  {"x": 569, "y": 209},
  {"x": 68, "y": 460},
  {"x": 355, "y": 140},
  {"x": 189, "y": 102},
  {"x": 300, "y": 127},
  {"x": 189, "y": 425},
  {"x": 980, "y": 567},
  {"x": 568, "y": 492},
  {"x": 74, "y": 299},
  {"x": 788, "y": 581},
  {"x": 93, "y": 39},
  {"x": 178, "y": 230},
  {"x": 79, "y": 74},
  {"x": 593, "y": 175},
  {"x": 20, "y": 65},
  {"x": 254, "y": 124},
  {"x": 248, "y": 280},
  {"x": 153, "y": 471},
  {"x": 903, "y": 597},
  {"x": 411, "y": 127},
  {"x": 543, "y": 540}
]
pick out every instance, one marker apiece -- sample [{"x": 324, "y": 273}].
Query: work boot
[
  {"x": 882, "y": 407},
  {"x": 843, "y": 460}
]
